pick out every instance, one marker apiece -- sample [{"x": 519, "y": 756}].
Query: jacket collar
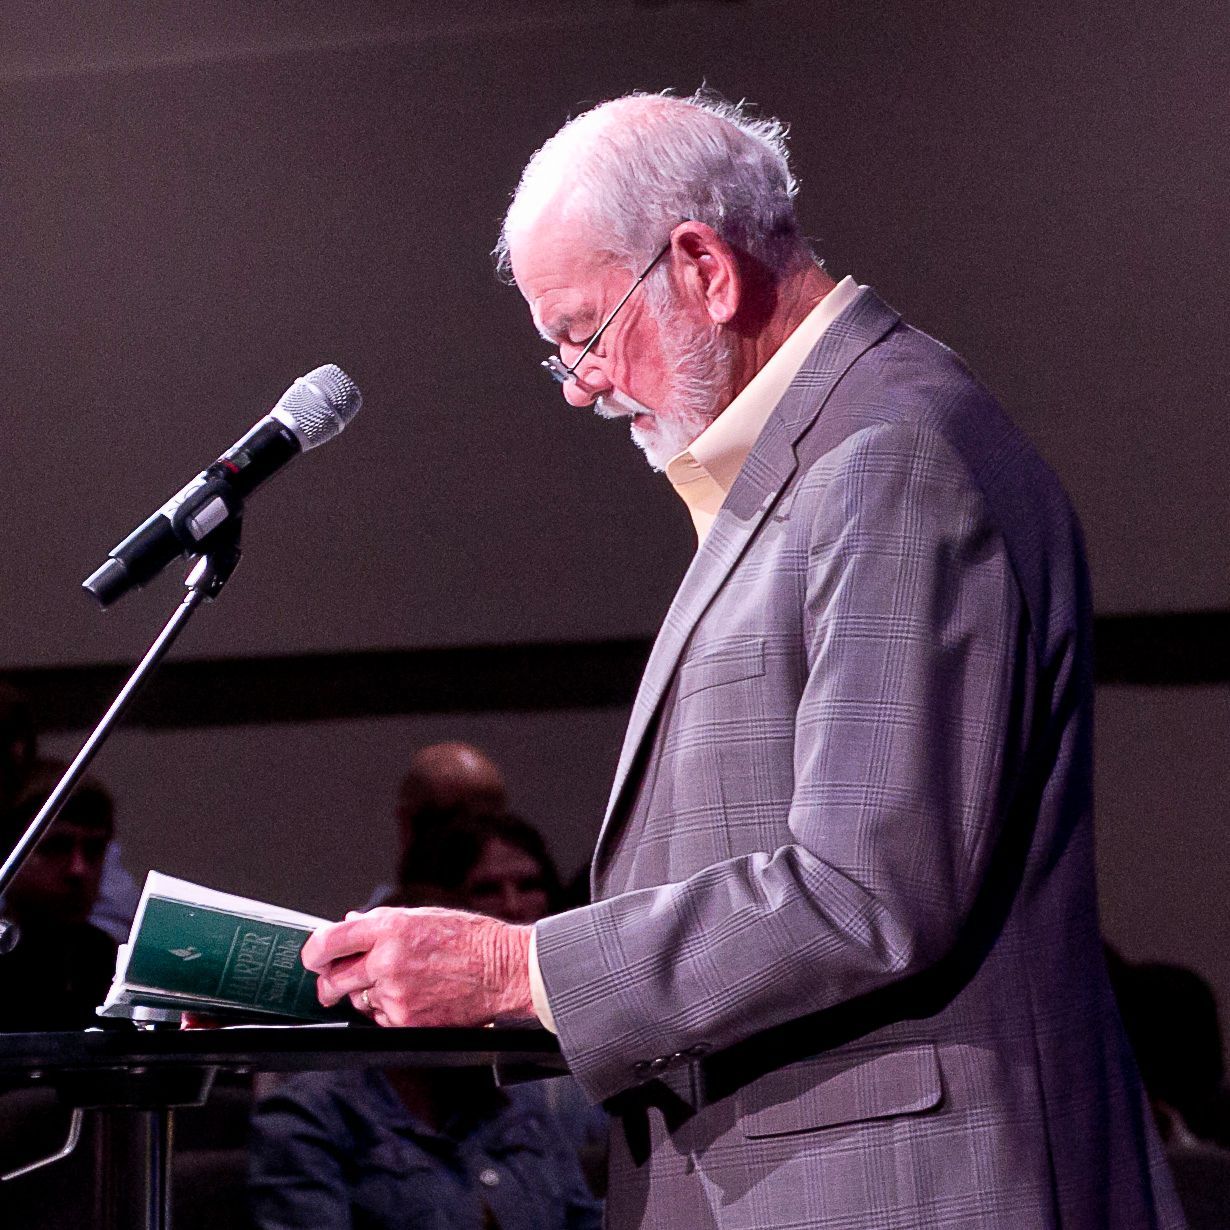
[{"x": 769, "y": 467}]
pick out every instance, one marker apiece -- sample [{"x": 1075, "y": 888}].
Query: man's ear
[{"x": 709, "y": 270}]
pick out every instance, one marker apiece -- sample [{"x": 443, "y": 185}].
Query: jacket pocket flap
[
  {"x": 842, "y": 1089},
  {"x": 724, "y": 661}
]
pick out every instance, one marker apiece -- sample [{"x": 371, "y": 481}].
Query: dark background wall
[{"x": 201, "y": 202}]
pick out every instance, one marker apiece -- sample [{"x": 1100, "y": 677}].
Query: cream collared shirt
[{"x": 703, "y": 474}]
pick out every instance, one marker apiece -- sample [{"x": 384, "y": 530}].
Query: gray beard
[{"x": 700, "y": 374}]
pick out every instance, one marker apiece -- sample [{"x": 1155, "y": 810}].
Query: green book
[{"x": 197, "y": 950}]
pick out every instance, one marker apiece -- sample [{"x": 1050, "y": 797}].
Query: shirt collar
[{"x": 703, "y": 474}]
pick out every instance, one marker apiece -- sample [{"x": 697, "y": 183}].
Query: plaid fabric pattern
[{"x": 844, "y": 967}]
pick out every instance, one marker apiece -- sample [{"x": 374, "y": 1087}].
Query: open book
[{"x": 192, "y": 949}]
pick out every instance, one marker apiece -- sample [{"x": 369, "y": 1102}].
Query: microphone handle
[
  {"x": 259, "y": 455},
  {"x": 184, "y": 524}
]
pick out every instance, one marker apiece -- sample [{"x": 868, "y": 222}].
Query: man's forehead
[
  {"x": 545, "y": 257},
  {"x": 563, "y": 279}
]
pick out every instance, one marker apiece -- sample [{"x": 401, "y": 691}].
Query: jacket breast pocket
[
  {"x": 842, "y": 1089},
  {"x": 727, "y": 660}
]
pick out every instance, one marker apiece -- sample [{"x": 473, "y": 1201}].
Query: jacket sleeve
[{"x": 917, "y": 645}]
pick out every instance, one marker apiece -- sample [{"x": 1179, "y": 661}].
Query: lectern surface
[{"x": 276, "y": 1048}]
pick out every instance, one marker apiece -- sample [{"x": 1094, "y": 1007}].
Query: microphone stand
[
  {"x": 209, "y": 573},
  {"x": 134, "y": 1112}
]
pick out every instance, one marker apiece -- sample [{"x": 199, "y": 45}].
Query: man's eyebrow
[{"x": 560, "y": 326}]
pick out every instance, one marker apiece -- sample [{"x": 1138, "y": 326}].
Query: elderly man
[{"x": 843, "y": 966}]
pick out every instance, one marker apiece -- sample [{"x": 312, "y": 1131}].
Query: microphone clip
[
  {"x": 213, "y": 569},
  {"x": 201, "y": 513}
]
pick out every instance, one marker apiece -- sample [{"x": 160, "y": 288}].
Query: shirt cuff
[{"x": 538, "y": 992}]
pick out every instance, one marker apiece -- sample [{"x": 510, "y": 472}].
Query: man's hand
[{"x": 425, "y": 966}]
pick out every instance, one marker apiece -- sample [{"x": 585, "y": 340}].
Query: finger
[
  {"x": 328, "y": 994},
  {"x": 369, "y": 1006},
  {"x": 338, "y": 939},
  {"x": 343, "y": 977}
]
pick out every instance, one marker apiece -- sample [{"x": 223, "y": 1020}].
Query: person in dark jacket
[
  {"x": 62, "y": 965},
  {"x": 410, "y": 1149},
  {"x": 390, "y": 1150}
]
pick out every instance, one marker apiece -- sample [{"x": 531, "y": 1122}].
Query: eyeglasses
[{"x": 555, "y": 365}]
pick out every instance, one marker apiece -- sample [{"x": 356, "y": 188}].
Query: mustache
[{"x": 618, "y": 405}]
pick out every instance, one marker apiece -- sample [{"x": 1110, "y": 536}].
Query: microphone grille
[{"x": 317, "y": 406}]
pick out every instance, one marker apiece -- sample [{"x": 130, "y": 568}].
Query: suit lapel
[{"x": 764, "y": 475}]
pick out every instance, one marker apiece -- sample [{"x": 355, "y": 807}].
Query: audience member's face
[
  {"x": 447, "y": 777},
  {"x": 506, "y": 883},
  {"x": 60, "y": 880}
]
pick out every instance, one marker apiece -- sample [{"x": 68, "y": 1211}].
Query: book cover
[{"x": 195, "y": 949}]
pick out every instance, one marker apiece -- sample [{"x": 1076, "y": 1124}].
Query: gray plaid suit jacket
[{"x": 844, "y": 967}]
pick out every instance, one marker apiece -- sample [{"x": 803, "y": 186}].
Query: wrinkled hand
[{"x": 426, "y": 966}]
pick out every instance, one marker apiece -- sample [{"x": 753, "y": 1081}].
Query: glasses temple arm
[{"x": 614, "y": 311}]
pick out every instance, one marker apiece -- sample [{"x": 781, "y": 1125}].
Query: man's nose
[
  {"x": 587, "y": 384},
  {"x": 578, "y": 394}
]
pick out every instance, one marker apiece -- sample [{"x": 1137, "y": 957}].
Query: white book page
[{"x": 159, "y": 885}]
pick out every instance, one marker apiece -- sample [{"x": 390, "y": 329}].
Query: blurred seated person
[
  {"x": 444, "y": 780},
  {"x": 500, "y": 865},
  {"x": 118, "y": 897},
  {"x": 61, "y": 967},
  {"x": 118, "y": 894},
  {"x": 492, "y": 864},
  {"x": 1170, "y": 1014},
  {"x": 437, "y": 1149}
]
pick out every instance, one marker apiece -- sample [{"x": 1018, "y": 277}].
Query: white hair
[{"x": 634, "y": 167}]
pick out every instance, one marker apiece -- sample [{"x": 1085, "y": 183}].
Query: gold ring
[{"x": 366, "y": 999}]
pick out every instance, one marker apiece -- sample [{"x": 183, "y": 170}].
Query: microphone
[{"x": 312, "y": 411}]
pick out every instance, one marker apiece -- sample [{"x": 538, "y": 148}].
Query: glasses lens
[{"x": 558, "y": 372}]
